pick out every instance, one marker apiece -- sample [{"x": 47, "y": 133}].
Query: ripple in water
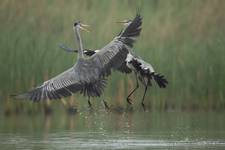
[{"x": 100, "y": 141}]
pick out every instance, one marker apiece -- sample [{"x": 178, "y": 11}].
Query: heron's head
[
  {"x": 125, "y": 22},
  {"x": 81, "y": 26}
]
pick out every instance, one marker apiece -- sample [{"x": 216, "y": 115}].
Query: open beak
[
  {"x": 84, "y": 27},
  {"x": 122, "y": 22}
]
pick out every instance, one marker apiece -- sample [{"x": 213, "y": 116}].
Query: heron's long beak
[
  {"x": 84, "y": 27},
  {"x": 122, "y": 22}
]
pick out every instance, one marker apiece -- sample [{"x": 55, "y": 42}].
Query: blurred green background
[{"x": 182, "y": 39}]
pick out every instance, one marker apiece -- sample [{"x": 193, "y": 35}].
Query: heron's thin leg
[
  {"x": 89, "y": 102},
  {"x": 137, "y": 86},
  {"x": 143, "y": 98},
  {"x": 106, "y": 105}
]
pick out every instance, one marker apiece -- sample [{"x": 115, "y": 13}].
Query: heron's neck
[
  {"x": 125, "y": 27},
  {"x": 80, "y": 49}
]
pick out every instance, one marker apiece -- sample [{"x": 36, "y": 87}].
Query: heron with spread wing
[
  {"x": 88, "y": 75},
  {"x": 144, "y": 72}
]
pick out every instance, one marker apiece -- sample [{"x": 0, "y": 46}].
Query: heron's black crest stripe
[{"x": 76, "y": 23}]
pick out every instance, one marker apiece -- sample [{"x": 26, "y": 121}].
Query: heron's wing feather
[
  {"x": 129, "y": 34},
  {"x": 114, "y": 54},
  {"x": 146, "y": 69},
  {"x": 100, "y": 64},
  {"x": 60, "y": 86},
  {"x": 123, "y": 68},
  {"x": 160, "y": 80},
  {"x": 110, "y": 57}
]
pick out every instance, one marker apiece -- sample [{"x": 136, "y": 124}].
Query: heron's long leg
[
  {"x": 106, "y": 105},
  {"x": 143, "y": 98},
  {"x": 137, "y": 86},
  {"x": 89, "y": 102}
]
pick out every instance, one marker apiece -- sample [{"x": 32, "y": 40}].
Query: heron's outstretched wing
[
  {"x": 114, "y": 54},
  {"x": 160, "y": 80},
  {"x": 60, "y": 86},
  {"x": 124, "y": 68},
  {"x": 87, "y": 76},
  {"x": 129, "y": 34}
]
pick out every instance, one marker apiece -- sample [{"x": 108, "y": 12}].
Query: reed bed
[{"x": 184, "y": 40}]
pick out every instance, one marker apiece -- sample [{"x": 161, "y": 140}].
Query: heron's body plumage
[
  {"x": 88, "y": 75},
  {"x": 144, "y": 71}
]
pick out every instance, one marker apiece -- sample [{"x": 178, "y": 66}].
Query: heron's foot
[
  {"x": 129, "y": 101},
  {"x": 89, "y": 104},
  {"x": 143, "y": 106},
  {"x": 48, "y": 110},
  {"x": 129, "y": 108},
  {"x": 106, "y": 105},
  {"x": 72, "y": 110},
  {"x": 90, "y": 109}
]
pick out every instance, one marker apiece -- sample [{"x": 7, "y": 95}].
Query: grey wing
[
  {"x": 124, "y": 68},
  {"x": 129, "y": 34},
  {"x": 60, "y": 86},
  {"x": 114, "y": 54},
  {"x": 144, "y": 64},
  {"x": 110, "y": 57},
  {"x": 159, "y": 79}
]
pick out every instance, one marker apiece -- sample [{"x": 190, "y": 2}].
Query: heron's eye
[{"x": 76, "y": 23}]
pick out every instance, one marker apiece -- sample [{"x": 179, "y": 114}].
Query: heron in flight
[
  {"x": 144, "y": 72},
  {"x": 88, "y": 75}
]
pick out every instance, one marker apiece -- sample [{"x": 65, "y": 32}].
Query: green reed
[{"x": 184, "y": 40}]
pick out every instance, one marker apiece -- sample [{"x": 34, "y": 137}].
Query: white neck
[{"x": 80, "y": 49}]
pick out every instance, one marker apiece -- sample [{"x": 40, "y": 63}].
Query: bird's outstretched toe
[
  {"x": 89, "y": 104},
  {"x": 129, "y": 108},
  {"x": 129, "y": 101},
  {"x": 143, "y": 106},
  {"x": 106, "y": 105},
  {"x": 72, "y": 110}
]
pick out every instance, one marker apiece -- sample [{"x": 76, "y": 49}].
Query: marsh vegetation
[{"x": 182, "y": 39}]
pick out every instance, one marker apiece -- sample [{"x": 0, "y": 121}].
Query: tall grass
[{"x": 184, "y": 40}]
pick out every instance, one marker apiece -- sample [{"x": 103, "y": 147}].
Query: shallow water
[{"x": 110, "y": 130}]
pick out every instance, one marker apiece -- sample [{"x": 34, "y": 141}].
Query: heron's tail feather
[
  {"x": 94, "y": 89},
  {"x": 160, "y": 80}
]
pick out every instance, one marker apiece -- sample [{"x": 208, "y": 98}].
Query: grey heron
[
  {"x": 88, "y": 75},
  {"x": 144, "y": 72}
]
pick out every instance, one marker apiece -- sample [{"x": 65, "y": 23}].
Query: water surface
[{"x": 111, "y": 130}]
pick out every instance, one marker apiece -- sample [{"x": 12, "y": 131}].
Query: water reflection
[
  {"x": 97, "y": 140},
  {"x": 110, "y": 130},
  {"x": 47, "y": 125}
]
